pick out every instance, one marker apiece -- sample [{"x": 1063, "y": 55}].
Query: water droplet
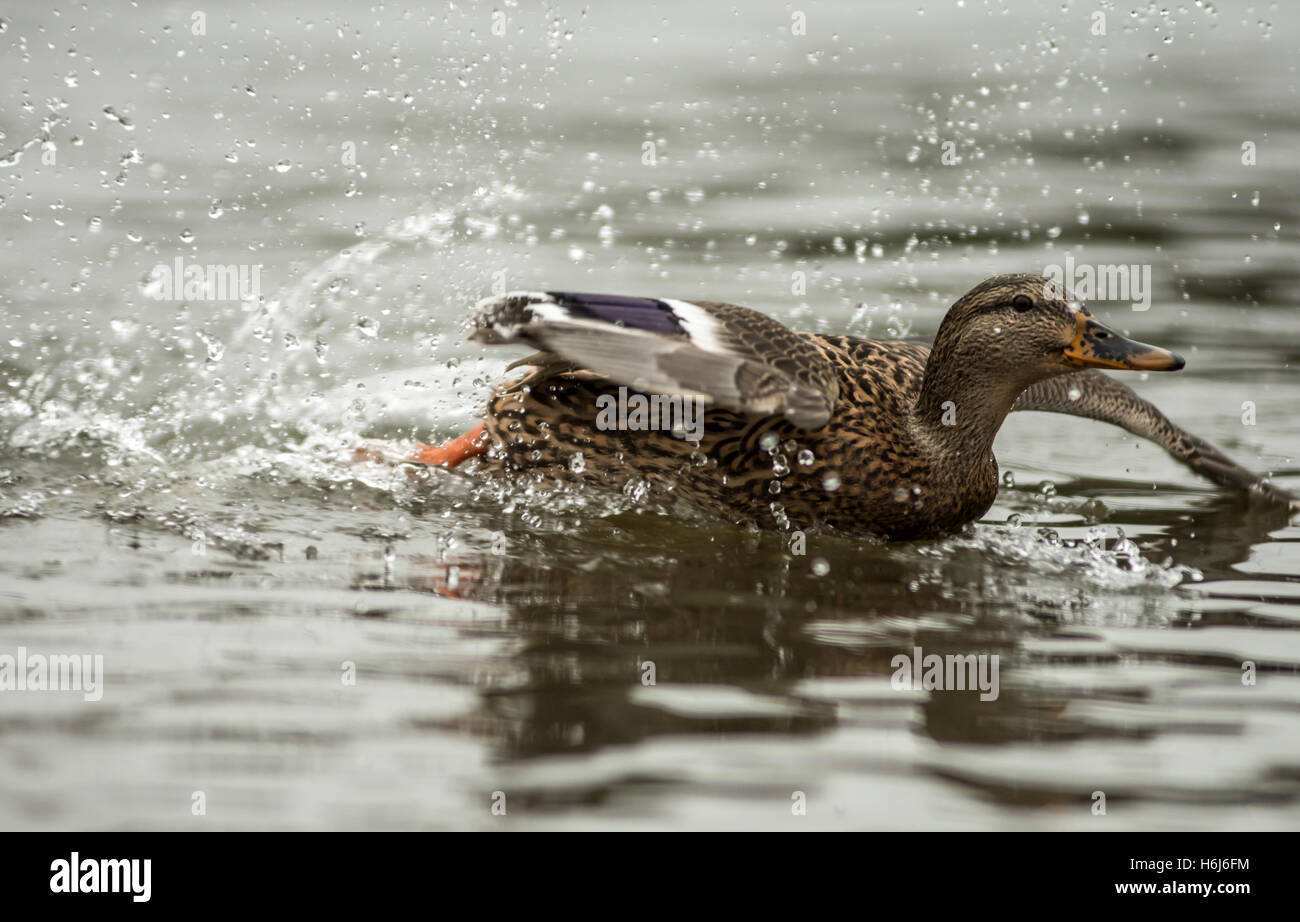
[
  {"x": 820, "y": 566},
  {"x": 1008, "y": 479},
  {"x": 283, "y": 166},
  {"x": 806, "y": 458},
  {"x": 216, "y": 348},
  {"x": 113, "y": 116},
  {"x": 831, "y": 483},
  {"x": 578, "y": 463}
]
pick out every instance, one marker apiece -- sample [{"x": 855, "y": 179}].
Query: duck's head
[{"x": 1023, "y": 327}]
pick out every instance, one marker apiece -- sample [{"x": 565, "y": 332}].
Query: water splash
[{"x": 1120, "y": 566}]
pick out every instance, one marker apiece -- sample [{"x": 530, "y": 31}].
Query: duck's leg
[
  {"x": 455, "y": 451},
  {"x": 1093, "y": 395},
  {"x": 448, "y": 454}
]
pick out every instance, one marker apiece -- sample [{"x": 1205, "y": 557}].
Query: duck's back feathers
[{"x": 728, "y": 355}]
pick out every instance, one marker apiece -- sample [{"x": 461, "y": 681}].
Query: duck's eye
[{"x": 1022, "y": 302}]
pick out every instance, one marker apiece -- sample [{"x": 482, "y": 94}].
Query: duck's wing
[
  {"x": 1093, "y": 395},
  {"x": 728, "y": 355}
]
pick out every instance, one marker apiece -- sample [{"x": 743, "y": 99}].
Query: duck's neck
[{"x": 961, "y": 408}]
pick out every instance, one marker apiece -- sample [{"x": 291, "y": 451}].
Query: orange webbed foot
[{"x": 456, "y": 451}]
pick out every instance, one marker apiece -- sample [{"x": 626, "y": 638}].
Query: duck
[{"x": 742, "y": 417}]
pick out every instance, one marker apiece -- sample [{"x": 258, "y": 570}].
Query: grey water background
[{"x": 173, "y": 495}]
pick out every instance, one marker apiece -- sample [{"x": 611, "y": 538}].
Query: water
[{"x": 173, "y": 496}]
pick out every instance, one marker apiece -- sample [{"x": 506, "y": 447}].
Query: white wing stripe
[{"x": 701, "y": 326}]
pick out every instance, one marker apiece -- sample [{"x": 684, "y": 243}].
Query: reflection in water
[{"x": 589, "y": 633}]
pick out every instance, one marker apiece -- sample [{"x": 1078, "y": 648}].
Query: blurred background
[{"x": 173, "y": 497}]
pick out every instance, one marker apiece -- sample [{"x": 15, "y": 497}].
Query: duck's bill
[{"x": 1095, "y": 345}]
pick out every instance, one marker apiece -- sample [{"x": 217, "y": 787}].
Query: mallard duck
[{"x": 736, "y": 413}]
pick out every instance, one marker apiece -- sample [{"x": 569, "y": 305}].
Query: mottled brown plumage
[{"x": 889, "y": 438}]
